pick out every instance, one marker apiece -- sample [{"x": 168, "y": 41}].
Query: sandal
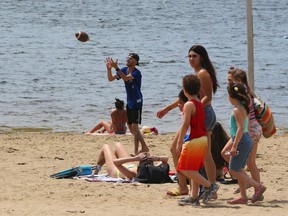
[
  {"x": 258, "y": 193},
  {"x": 239, "y": 200},
  {"x": 175, "y": 192},
  {"x": 232, "y": 181},
  {"x": 261, "y": 198}
]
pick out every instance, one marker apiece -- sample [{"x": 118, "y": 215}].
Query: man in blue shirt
[{"x": 132, "y": 78}]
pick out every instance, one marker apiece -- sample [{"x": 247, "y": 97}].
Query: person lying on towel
[{"x": 120, "y": 164}]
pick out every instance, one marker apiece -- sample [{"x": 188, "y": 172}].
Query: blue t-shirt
[{"x": 133, "y": 89}]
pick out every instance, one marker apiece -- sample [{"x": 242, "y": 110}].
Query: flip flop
[
  {"x": 232, "y": 181},
  {"x": 175, "y": 192}
]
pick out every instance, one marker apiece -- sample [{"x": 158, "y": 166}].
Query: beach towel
[
  {"x": 107, "y": 178},
  {"x": 107, "y": 134},
  {"x": 103, "y": 178}
]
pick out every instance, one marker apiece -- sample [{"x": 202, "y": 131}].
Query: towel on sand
[{"x": 103, "y": 178}]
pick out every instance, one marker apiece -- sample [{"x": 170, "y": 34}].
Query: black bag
[{"x": 148, "y": 173}]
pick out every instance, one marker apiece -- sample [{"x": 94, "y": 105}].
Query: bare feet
[{"x": 143, "y": 150}]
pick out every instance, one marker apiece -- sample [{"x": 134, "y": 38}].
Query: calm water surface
[{"x": 48, "y": 79}]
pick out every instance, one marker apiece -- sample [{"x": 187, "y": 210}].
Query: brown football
[{"x": 82, "y": 36}]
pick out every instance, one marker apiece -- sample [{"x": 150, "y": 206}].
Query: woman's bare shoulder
[
  {"x": 118, "y": 112},
  {"x": 203, "y": 73},
  {"x": 113, "y": 111}
]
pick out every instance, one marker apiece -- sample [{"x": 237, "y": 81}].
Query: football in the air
[{"x": 82, "y": 36}]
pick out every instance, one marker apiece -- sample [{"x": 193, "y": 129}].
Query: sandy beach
[{"x": 29, "y": 158}]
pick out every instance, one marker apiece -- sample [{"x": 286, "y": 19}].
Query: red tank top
[{"x": 197, "y": 122}]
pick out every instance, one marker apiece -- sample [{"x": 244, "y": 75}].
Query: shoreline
[{"x": 7, "y": 129}]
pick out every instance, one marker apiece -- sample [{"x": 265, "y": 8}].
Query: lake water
[{"x": 48, "y": 79}]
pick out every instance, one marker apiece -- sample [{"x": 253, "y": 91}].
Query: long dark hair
[
  {"x": 206, "y": 63},
  {"x": 182, "y": 96},
  {"x": 219, "y": 138},
  {"x": 239, "y": 92}
]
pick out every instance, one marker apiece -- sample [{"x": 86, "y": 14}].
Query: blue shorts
[
  {"x": 186, "y": 138},
  {"x": 210, "y": 118},
  {"x": 239, "y": 161}
]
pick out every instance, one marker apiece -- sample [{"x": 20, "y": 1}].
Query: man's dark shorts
[{"x": 134, "y": 116}]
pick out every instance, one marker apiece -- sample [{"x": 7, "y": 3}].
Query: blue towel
[{"x": 73, "y": 172}]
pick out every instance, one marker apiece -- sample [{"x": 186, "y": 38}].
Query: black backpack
[{"x": 148, "y": 173}]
